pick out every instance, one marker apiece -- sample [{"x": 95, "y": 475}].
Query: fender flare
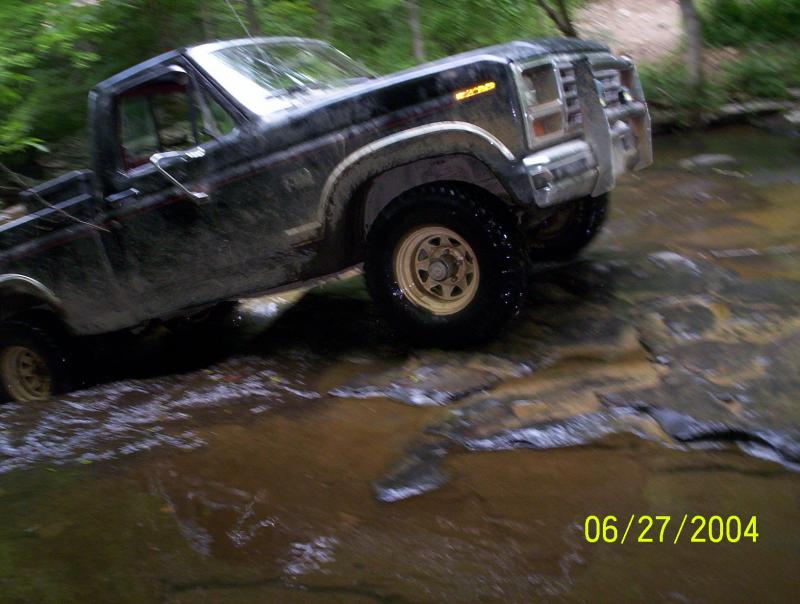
[
  {"x": 12, "y": 284},
  {"x": 422, "y": 142}
]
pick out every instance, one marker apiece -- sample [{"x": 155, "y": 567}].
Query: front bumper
[{"x": 613, "y": 141}]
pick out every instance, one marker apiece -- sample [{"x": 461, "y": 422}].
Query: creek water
[{"x": 303, "y": 453}]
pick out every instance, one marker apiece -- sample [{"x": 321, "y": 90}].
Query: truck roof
[{"x": 510, "y": 51}]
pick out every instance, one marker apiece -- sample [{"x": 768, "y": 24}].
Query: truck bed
[{"x": 70, "y": 193}]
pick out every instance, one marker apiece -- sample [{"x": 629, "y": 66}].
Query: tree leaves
[{"x": 53, "y": 51}]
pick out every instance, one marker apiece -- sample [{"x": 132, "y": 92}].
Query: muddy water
[{"x": 299, "y": 452}]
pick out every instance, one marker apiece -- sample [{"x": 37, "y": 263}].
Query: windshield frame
[{"x": 253, "y": 96}]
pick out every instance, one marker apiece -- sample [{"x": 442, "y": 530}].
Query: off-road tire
[
  {"x": 50, "y": 346},
  {"x": 582, "y": 220},
  {"x": 486, "y": 226}
]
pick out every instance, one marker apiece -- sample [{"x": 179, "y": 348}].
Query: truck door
[{"x": 163, "y": 241}]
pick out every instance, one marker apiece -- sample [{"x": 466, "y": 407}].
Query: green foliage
[
  {"x": 666, "y": 90},
  {"x": 763, "y": 72},
  {"x": 743, "y": 22},
  {"x": 478, "y": 23},
  {"x": 56, "y": 50},
  {"x": 53, "y": 51},
  {"x": 768, "y": 65},
  {"x": 43, "y": 44}
]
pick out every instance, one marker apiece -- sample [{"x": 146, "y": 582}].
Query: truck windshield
[{"x": 264, "y": 74}]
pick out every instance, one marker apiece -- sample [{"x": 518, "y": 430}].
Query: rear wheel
[
  {"x": 443, "y": 264},
  {"x": 563, "y": 234},
  {"x": 33, "y": 364}
]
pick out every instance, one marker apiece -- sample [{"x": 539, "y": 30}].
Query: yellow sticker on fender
[{"x": 479, "y": 89}]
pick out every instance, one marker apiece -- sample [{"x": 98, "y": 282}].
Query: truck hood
[{"x": 516, "y": 51}]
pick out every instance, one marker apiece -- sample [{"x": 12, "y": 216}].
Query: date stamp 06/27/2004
[{"x": 688, "y": 528}]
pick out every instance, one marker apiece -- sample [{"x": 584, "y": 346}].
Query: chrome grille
[
  {"x": 609, "y": 78},
  {"x": 570, "y": 94}
]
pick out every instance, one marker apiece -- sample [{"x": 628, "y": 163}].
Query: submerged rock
[
  {"x": 708, "y": 160},
  {"x": 418, "y": 472}
]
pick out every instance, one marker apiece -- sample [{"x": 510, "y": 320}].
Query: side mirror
[
  {"x": 178, "y": 74},
  {"x": 197, "y": 153}
]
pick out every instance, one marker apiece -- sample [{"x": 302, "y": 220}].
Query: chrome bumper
[{"x": 614, "y": 141}]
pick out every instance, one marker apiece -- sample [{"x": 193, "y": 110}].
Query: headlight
[
  {"x": 541, "y": 84},
  {"x": 542, "y": 99}
]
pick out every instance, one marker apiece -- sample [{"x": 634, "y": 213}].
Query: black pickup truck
[{"x": 231, "y": 169}]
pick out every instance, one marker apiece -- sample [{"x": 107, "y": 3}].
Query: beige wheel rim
[
  {"x": 436, "y": 269},
  {"x": 25, "y": 374}
]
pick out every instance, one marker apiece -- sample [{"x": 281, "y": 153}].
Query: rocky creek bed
[{"x": 301, "y": 452}]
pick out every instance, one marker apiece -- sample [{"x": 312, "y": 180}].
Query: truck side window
[
  {"x": 153, "y": 118},
  {"x": 138, "y": 131},
  {"x": 216, "y": 120},
  {"x": 173, "y": 116}
]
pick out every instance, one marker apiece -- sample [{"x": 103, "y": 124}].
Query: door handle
[{"x": 197, "y": 196}]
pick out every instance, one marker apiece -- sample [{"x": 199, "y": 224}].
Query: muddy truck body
[{"x": 231, "y": 169}]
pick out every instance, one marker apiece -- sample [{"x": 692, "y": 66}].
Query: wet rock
[
  {"x": 760, "y": 324},
  {"x": 545, "y": 415},
  {"x": 582, "y": 281},
  {"x": 784, "y": 124},
  {"x": 434, "y": 380},
  {"x": 614, "y": 283},
  {"x": 691, "y": 409},
  {"x": 708, "y": 160},
  {"x": 669, "y": 260},
  {"x": 307, "y": 557},
  {"x": 579, "y": 331},
  {"x": 784, "y": 356},
  {"x": 729, "y": 343},
  {"x": 668, "y": 274},
  {"x": 420, "y": 471},
  {"x": 689, "y": 321},
  {"x": 569, "y": 431},
  {"x": 764, "y": 292},
  {"x": 721, "y": 361},
  {"x": 674, "y": 324}
]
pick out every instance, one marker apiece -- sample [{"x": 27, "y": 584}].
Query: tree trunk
[
  {"x": 324, "y": 19},
  {"x": 694, "y": 59},
  {"x": 416, "y": 30},
  {"x": 694, "y": 44},
  {"x": 569, "y": 28},
  {"x": 253, "y": 24},
  {"x": 560, "y": 16}
]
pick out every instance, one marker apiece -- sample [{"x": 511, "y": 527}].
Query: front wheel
[
  {"x": 443, "y": 264},
  {"x": 33, "y": 363}
]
